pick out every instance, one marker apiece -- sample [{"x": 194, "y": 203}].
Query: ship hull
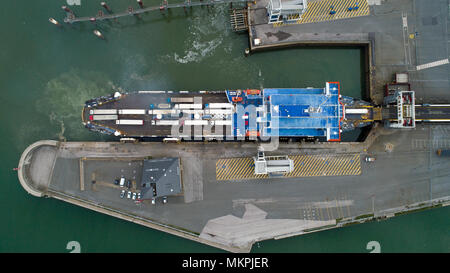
[{"x": 249, "y": 114}]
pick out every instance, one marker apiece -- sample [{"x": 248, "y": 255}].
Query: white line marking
[
  {"x": 374, "y": 2},
  {"x": 432, "y": 64}
]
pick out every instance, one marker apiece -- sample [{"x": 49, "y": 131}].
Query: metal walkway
[
  {"x": 71, "y": 18},
  {"x": 424, "y": 113},
  {"x": 304, "y": 166},
  {"x": 239, "y": 19}
]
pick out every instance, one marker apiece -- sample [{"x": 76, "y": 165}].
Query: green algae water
[{"x": 47, "y": 73}]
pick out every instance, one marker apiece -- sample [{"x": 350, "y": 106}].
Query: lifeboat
[
  {"x": 236, "y": 99},
  {"x": 253, "y": 92}
]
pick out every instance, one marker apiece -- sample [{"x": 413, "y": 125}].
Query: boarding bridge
[
  {"x": 403, "y": 104},
  {"x": 273, "y": 164},
  {"x": 401, "y": 111}
]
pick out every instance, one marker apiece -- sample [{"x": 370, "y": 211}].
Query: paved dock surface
[
  {"x": 407, "y": 171},
  {"x": 403, "y": 35},
  {"x": 232, "y": 169},
  {"x": 326, "y": 10}
]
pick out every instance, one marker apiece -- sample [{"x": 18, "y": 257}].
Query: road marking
[
  {"x": 432, "y": 64},
  {"x": 319, "y": 11},
  {"x": 107, "y": 184},
  {"x": 81, "y": 175},
  {"x": 374, "y": 2},
  {"x": 313, "y": 215},
  {"x": 331, "y": 210},
  {"x": 338, "y": 209},
  {"x": 304, "y": 166},
  {"x": 320, "y": 214},
  {"x": 348, "y": 206}
]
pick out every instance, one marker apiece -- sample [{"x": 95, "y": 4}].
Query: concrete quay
[
  {"x": 232, "y": 215},
  {"x": 397, "y": 36}
]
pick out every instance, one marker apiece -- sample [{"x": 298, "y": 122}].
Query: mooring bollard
[
  {"x": 106, "y": 6},
  {"x": 140, "y": 4},
  {"x": 53, "y": 21},
  {"x": 99, "y": 34}
]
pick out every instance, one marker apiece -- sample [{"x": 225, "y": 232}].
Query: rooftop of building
[{"x": 160, "y": 177}]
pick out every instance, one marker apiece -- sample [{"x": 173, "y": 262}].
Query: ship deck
[{"x": 150, "y": 100}]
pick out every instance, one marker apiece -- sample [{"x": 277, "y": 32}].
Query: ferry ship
[{"x": 242, "y": 114}]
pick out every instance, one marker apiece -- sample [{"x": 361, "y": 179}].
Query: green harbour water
[{"x": 47, "y": 73}]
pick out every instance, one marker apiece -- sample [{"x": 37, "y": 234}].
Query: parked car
[
  {"x": 139, "y": 196},
  {"x": 128, "y": 184},
  {"x": 134, "y": 196},
  {"x": 122, "y": 182},
  {"x": 153, "y": 201},
  {"x": 164, "y": 200},
  {"x": 122, "y": 193},
  {"x": 116, "y": 182},
  {"x": 370, "y": 158},
  {"x": 129, "y": 195}
]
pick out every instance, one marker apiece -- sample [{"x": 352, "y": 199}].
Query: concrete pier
[
  {"x": 234, "y": 214},
  {"x": 398, "y": 36},
  {"x": 136, "y": 12},
  {"x": 36, "y": 165}
]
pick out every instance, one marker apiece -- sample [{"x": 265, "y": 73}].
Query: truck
[
  {"x": 103, "y": 111},
  {"x": 181, "y": 99},
  {"x": 129, "y": 122},
  {"x": 370, "y": 158},
  {"x": 103, "y": 117},
  {"x": 132, "y": 112}
]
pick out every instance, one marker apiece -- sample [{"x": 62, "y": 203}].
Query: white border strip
[{"x": 432, "y": 64}]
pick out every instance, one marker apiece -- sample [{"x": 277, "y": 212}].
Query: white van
[{"x": 122, "y": 182}]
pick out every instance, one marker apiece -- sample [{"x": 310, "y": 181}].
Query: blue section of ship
[{"x": 292, "y": 112}]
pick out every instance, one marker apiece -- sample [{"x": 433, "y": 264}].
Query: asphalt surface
[
  {"x": 407, "y": 169},
  {"x": 394, "y": 50},
  {"x": 410, "y": 173}
]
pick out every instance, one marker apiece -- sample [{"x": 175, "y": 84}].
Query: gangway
[
  {"x": 239, "y": 19},
  {"x": 401, "y": 111},
  {"x": 273, "y": 164}
]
